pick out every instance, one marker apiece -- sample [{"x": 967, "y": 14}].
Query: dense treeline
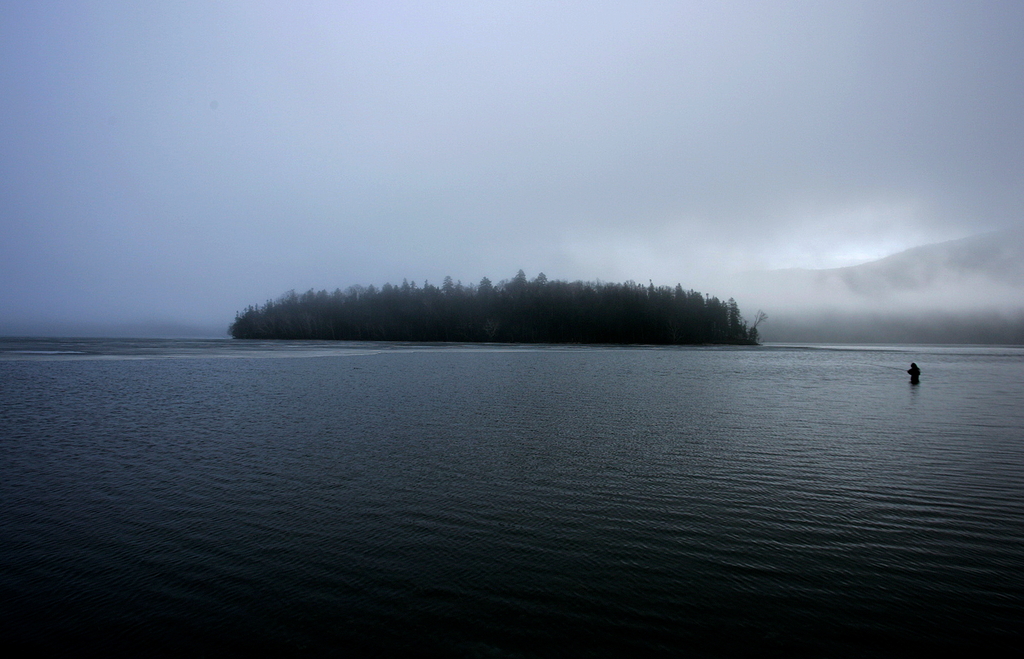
[{"x": 512, "y": 311}]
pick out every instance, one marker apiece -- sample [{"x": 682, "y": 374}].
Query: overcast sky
[{"x": 178, "y": 161}]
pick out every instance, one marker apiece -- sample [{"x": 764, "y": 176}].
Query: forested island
[{"x": 512, "y": 311}]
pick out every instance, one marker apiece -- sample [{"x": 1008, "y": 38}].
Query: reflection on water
[{"x": 230, "y": 497}]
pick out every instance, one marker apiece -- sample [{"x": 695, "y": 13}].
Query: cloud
[{"x": 182, "y": 161}]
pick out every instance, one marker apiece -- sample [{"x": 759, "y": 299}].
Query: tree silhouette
[{"x": 516, "y": 310}]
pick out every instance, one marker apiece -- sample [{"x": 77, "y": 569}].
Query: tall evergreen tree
[{"x": 516, "y": 310}]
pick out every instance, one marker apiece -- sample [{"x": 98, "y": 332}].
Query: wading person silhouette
[{"x": 915, "y": 373}]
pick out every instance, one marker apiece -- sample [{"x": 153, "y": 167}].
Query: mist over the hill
[{"x": 963, "y": 291}]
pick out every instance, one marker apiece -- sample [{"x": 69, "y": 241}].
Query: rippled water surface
[{"x": 221, "y": 497}]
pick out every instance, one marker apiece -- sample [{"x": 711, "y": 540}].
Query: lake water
[{"x": 341, "y": 499}]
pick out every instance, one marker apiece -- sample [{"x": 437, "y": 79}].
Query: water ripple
[{"x": 504, "y": 502}]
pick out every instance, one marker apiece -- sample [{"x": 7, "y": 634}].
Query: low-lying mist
[{"x": 963, "y": 291}]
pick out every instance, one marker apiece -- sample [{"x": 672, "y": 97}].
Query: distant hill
[
  {"x": 996, "y": 258},
  {"x": 961, "y": 291}
]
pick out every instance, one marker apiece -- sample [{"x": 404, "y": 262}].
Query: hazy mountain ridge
[
  {"x": 996, "y": 256},
  {"x": 960, "y": 291}
]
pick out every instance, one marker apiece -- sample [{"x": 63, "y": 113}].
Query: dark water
[{"x": 212, "y": 498}]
